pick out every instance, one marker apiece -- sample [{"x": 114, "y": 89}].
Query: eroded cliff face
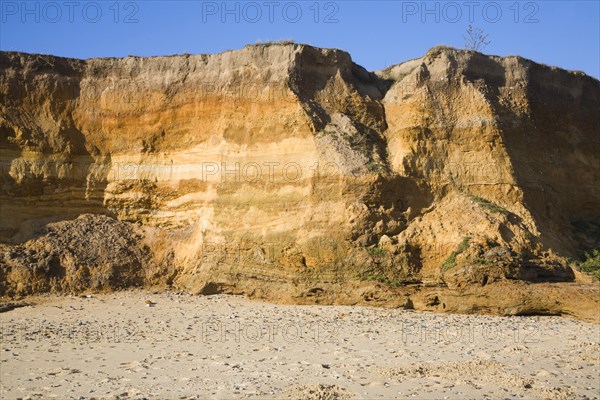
[{"x": 290, "y": 173}]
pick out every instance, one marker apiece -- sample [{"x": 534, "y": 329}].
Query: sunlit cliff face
[{"x": 291, "y": 164}]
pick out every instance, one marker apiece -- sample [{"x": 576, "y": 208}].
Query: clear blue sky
[{"x": 376, "y": 33}]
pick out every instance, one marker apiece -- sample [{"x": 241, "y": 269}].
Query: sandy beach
[{"x": 137, "y": 344}]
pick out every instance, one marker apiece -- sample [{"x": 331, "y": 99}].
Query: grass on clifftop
[
  {"x": 275, "y": 42},
  {"x": 591, "y": 265},
  {"x": 450, "y": 262},
  {"x": 488, "y": 205}
]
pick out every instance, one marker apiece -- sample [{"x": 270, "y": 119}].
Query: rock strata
[{"x": 453, "y": 182}]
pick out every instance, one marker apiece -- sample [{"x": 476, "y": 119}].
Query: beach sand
[{"x": 116, "y": 346}]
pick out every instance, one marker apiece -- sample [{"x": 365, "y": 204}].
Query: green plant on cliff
[
  {"x": 374, "y": 167},
  {"x": 488, "y": 205},
  {"x": 372, "y": 277},
  {"x": 450, "y": 262},
  {"x": 376, "y": 251},
  {"x": 483, "y": 261},
  {"x": 591, "y": 264}
]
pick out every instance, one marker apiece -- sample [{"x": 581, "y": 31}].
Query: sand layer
[{"x": 116, "y": 346}]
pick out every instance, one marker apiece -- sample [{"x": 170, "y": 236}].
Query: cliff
[{"x": 453, "y": 182}]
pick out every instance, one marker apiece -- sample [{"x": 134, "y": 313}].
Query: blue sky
[{"x": 376, "y": 33}]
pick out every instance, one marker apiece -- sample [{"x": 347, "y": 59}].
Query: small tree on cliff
[{"x": 475, "y": 39}]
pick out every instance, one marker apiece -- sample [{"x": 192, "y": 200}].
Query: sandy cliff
[{"x": 452, "y": 182}]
